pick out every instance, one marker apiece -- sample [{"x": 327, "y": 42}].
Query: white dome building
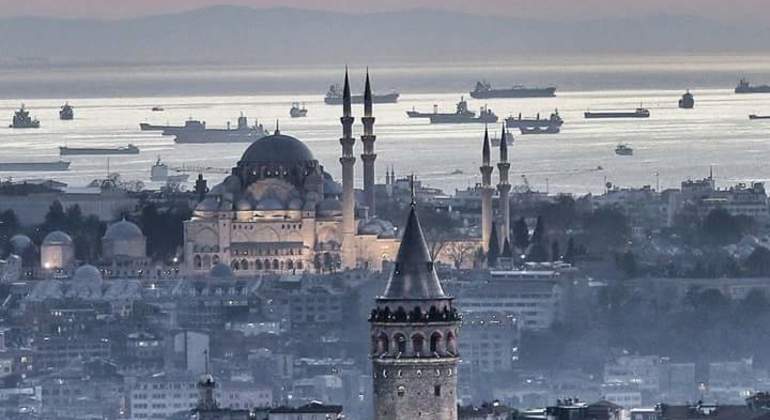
[
  {"x": 124, "y": 250},
  {"x": 57, "y": 252}
]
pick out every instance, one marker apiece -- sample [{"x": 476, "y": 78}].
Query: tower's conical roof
[
  {"x": 346, "y": 100},
  {"x": 367, "y": 96},
  {"x": 414, "y": 276},
  {"x": 485, "y": 151},
  {"x": 503, "y": 147}
]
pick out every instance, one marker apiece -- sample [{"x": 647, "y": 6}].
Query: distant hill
[{"x": 289, "y": 36}]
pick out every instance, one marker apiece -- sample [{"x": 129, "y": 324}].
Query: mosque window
[
  {"x": 401, "y": 391},
  {"x": 437, "y": 390}
]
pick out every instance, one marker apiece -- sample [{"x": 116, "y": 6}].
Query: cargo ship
[
  {"x": 624, "y": 150},
  {"x": 484, "y": 90},
  {"x": 66, "y": 112},
  {"x": 160, "y": 173},
  {"x": 54, "y": 166},
  {"x": 122, "y": 150},
  {"x": 334, "y": 97},
  {"x": 417, "y": 114},
  {"x": 22, "y": 119},
  {"x": 463, "y": 115},
  {"x": 517, "y": 122},
  {"x": 687, "y": 101},
  {"x": 638, "y": 113},
  {"x": 198, "y": 133},
  {"x": 745, "y": 87},
  {"x": 759, "y": 117}
]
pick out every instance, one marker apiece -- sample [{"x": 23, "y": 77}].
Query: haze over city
[{"x": 384, "y": 210}]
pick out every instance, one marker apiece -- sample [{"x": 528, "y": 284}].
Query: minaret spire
[
  {"x": 368, "y": 156},
  {"x": 486, "y": 191},
  {"x": 348, "y": 161},
  {"x": 505, "y": 188}
]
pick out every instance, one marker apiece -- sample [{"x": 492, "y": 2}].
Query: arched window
[
  {"x": 275, "y": 264},
  {"x": 401, "y": 391},
  {"x": 299, "y": 265},
  {"x": 290, "y": 265},
  {"x": 417, "y": 344},
  {"x": 244, "y": 264},
  {"x": 451, "y": 343},
  {"x": 282, "y": 265},
  {"x": 267, "y": 264},
  {"x": 258, "y": 265},
  {"x": 215, "y": 260},
  {"x": 197, "y": 262},
  {"x": 383, "y": 344},
  {"x": 400, "y": 340},
  {"x": 235, "y": 266},
  {"x": 206, "y": 262},
  {"x": 435, "y": 341}
]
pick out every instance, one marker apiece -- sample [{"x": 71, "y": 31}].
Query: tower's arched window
[
  {"x": 418, "y": 344},
  {"x": 299, "y": 265},
  {"x": 275, "y": 264},
  {"x": 290, "y": 265},
  {"x": 383, "y": 344},
  {"x": 197, "y": 262},
  {"x": 267, "y": 264},
  {"x": 215, "y": 260},
  {"x": 451, "y": 343},
  {"x": 257, "y": 265},
  {"x": 235, "y": 266},
  {"x": 435, "y": 342},
  {"x": 206, "y": 261},
  {"x": 244, "y": 264},
  {"x": 400, "y": 340},
  {"x": 401, "y": 391}
]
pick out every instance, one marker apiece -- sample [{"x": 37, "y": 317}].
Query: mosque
[{"x": 280, "y": 211}]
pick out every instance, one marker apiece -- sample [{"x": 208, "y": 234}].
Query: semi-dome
[
  {"x": 20, "y": 244},
  {"x": 87, "y": 274},
  {"x": 123, "y": 230},
  {"x": 277, "y": 148},
  {"x": 208, "y": 204},
  {"x": 270, "y": 204},
  {"x": 377, "y": 226},
  {"x": 57, "y": 237},
  {"x": 243, "y": 205},
  {"x": 329, "y": 207},
  {"x": 221, "y": 271}
]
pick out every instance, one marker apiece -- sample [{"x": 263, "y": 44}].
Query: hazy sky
[{"x": 719, "y": 9}]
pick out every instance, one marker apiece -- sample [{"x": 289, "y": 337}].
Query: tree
[
  {"x": 55, "y": 218},
  {"x": 521, "y": 234},
  {"x": 607, "y": 229},
  {"x": 721, "y": 228},
  {"x": 459, "y": 252},
  {"x": 758, "y": 263},
  {"x": 493, "y": 251},
  {"x": 627, "y": 263}
]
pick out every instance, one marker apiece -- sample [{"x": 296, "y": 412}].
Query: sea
[{"x": 673, "y": 145}]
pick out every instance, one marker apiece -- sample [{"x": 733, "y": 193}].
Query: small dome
[
  {"x": 379, "y": 227},
  {"x": 243, "y": 205},
  {"x": 221, "y": 271},
  {"x": 232, "y": 184},
  {"x": 20, "y": 244},
  {"x": 270, "y": 204},
  {"x": 330, "y": 207},
  {"x": 87, "y": 274},
  {"x": 208, "y": 204},
  {"x": 295, "y": 204},
  {"x": 123, "y": 230},
  {"x": 277, "y": 148},
  {"x": 57, "y": 237}
]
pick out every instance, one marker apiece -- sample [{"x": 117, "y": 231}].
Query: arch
[
  {"x": 282, "y": 265},
  {"x": 206, "y": 262},
  {"x": 215, "y": 260},
  {"x": 197, "y": 262},
  {"x": 258, "y": 265},
  {"x": 235, "y": 265},
  {"x": 299, "y": 265},
  {"x": 244, "y": 264},
  {"x": 435, "y": 342},
  {"x": 275, "y": 264},
  {"x": 418, "y": 344},
  {"x": 451, "y": 343},
  {"x": 400, "y": 341},
  {"x": 383, "y": 344},
  {"x": 267, "y": 264},
  {"x": 290, "y": 265}
]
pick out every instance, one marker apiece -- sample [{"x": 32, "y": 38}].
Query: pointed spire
[
  {"x": 367, "y": 96},
  {"x": 277, "y": 128},
  {"x": 507, "y": 249},
  {"x": 503, "y": 147},
  {"x": 414, "y": 276},
  {"x": 346, "y": 101},
  {"x": 411, "y": 190},
  {"x": 485, "y": 151},
  {"x": 493, "y": 252}
]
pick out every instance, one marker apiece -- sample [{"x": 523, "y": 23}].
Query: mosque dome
[
  {"x": 87, "y": 274},
  {"x": 20, "y": 244},
  {"x": 123, "y": 231},
  {"x": 270, "y": 204},
  {"x": 277, "y": 148},
  {"x": 330, "y": 207},
  {"x": 379, "y": 227},
  {"x": 221, "y": 271},
  {"x": 243, "y": 205},
  {"x": 208, "y": 204},
  {"x": 295, "y": 204},
  {"x": 57, "y": 237}
]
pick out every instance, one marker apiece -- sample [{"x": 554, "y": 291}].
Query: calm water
[{"x": 678, "y": 144}]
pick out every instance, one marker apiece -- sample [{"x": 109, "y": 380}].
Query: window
[
  {"x": 437, "y": 390},
  {"x": 401, "y": 391}
]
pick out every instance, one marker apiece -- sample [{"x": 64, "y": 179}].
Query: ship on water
[
  {"x": 484, "y": 90},
  {"x": 296, "y": 111},
  {"x": 122, "y": 150},
  {"x": 243, "y": 133},
  {"x": 638, "y": 113},
  {"x": 22, "y": 119},
  {"x": 759, "y": 117},
  {"x": 417, "y": 114},
  {"x": 66, "y": 112},
  {"x": 463, "y": 115},
  {"x": 334, "y": 97},
  {"x": 54, "y": 166},
  {"x": 554, "y": 120},
  {"x": 745, "y": 87},
  {"x": 687, "y": 101},
  {"x": 160, "y": 173},
  {"x": 624, "y": 150}
]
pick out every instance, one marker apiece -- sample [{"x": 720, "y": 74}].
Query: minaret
[
  {"x": 348, "y": 161},
  {"x": 368, "y": 156},
  {"x": 486, "y": 192},
  {"x": 505, "y": 188},
  {"x": 414, "y": 331}
]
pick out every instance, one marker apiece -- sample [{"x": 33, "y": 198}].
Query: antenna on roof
[
  {"x": 277, "y": 129},
  {"x": 412, "y": 190}
]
